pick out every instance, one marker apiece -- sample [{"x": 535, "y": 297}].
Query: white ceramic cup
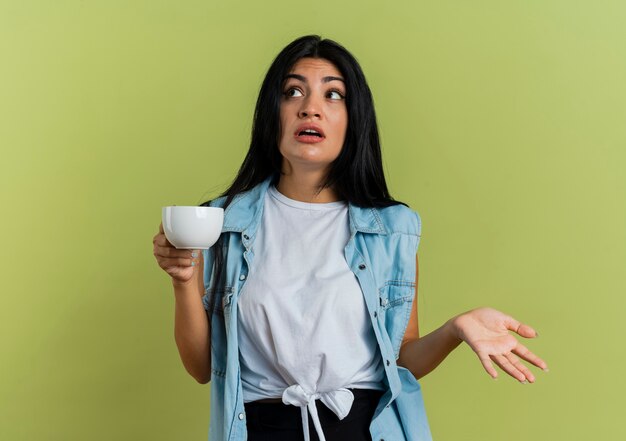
[{"x": 191, "y": 227}]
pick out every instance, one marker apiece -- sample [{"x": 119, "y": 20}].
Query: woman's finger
[
  {"x": 162, "y": 241},
  {"x": 173, "y": 252},
  {"x": 507, "y": 367},
  {"x": 517, "y": 363},
  {"x": 180, "y": 273},
  {"x": 530, "y": 357},
  {"x": 486, "y": 362},
  {"x": 520, "y": 328},
  {"x": 526, "y": 331},
  {"x": 166, "y": 262}
]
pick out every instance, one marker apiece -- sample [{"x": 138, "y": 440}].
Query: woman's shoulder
[
  {"x": 400, "y": 219},
  {"x": 217, "y": 202},
  {"x": 249, "y": 194}
]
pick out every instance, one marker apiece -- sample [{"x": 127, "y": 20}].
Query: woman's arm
[
  {"x": 485, "y": 330},
  {"x": 191, "y": 325},
  {"x": 192, "y": 330},
  {"x": 422, "y": 355}
]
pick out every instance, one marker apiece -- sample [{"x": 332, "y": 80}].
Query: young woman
[{"x": 303, "y": 316}]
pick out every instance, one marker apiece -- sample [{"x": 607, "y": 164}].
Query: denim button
[
  {"x": 362, "y": 266},
  {"x": 242, "y": 277},
  {"x": 240, "y": 416}
]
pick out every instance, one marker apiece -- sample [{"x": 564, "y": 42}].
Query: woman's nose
[{"x": 310, "y": 107}]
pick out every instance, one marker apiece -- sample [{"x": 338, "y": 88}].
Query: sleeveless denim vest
[{"x": 381, "y": 254}]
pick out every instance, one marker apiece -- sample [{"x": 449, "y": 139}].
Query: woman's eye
[
  {"x": 292, "y": 92},
  {"x": 335, "y": 95}
]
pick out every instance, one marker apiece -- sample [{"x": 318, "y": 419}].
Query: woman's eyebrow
[{"x": 304, "y": 80}]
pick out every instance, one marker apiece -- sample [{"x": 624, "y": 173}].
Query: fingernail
[
  {"x": 546, "y": 370},
  {"x": 524, "y": 382},
  {"x": 194, "y": 254},
  {"x": 193, "y": 263},
  {"x": 536, "y": 334}
]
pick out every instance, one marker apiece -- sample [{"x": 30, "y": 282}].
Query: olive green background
[{"x": 502, "y": 124}]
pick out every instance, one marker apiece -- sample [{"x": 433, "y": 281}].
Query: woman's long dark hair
[{"x": 356, "y": 175}]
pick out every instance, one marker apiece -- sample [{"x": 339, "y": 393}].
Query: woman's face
[{"x": 313, "y": 95}]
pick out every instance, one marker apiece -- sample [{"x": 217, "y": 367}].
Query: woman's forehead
[{"x": 310, "y": 65}]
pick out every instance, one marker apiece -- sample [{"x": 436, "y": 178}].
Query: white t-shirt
[{"x": 304, "y": 329}]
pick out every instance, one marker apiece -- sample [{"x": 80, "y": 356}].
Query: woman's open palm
[{"x": 486, "y": 331}]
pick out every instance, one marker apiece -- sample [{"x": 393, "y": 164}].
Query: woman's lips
[
  {"x": 309, "y": 139},
  {"x": 304, "y": 133}
]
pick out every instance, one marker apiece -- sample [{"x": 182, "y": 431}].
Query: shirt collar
[{"x": 244, "y": 213}]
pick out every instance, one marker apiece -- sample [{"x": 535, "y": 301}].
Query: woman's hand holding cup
[
  {"x": 183, "y": 233},
  {"x": 178, "y": 263}
]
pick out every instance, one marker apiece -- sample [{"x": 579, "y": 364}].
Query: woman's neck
[{"x": 303, "y": 187}]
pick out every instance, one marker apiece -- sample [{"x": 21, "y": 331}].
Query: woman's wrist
[
  {"x": 184, "y": 288},
  {"x": 453, "y": 329}
]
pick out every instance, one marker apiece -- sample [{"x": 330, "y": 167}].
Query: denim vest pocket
[
  {"x": 227, "y": 303},
  {"x": 222, "y": 295},
  {"x": 396, "y": 298}
]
